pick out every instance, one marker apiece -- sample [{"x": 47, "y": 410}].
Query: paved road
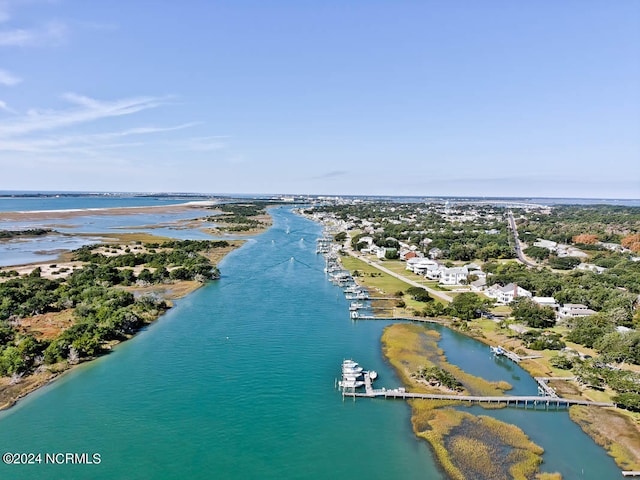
[
  {"x": 435, "y": 293},
  {"x": 514, "y": 230}
]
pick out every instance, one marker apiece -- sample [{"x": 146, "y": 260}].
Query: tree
[
  {"x": 563, "y": 263},
  {"x": 526, "y": 310},
  {"x": 585, "y": 239},
  {"x": 539, "y": 253},
  {"x": 340, "y": 237},
  {"x": 419, "y": 294},
  {"x": 629, "y": 401},
  {"x": 467, "y": 306},
  {"x": 391, "y": 253},
  {"x": 587, "y": 330}
]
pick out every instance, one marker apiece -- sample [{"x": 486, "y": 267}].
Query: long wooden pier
[{"x": 506, "y": 400}]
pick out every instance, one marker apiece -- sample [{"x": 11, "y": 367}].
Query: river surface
[{"x": 237, "y": 382}]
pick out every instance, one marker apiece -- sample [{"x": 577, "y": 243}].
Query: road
[{"x": 519, "y": 254}]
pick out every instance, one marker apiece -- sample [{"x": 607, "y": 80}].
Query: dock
[
  {"x": 549, "y": 399},
  {"x": 512, "y": 355},
  {"x": 515, "y": 401}
]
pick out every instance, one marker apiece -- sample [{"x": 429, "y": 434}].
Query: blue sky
[{"x": 373, "y": 97}]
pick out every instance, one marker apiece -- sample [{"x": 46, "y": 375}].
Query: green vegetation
[
  {"x": 469, "y": 232},
  {"x": 438, "y": 376},
  {"x": 102, "y": 310},
  {"x": 467, "y": 306},
  {"x": 240, "y": 217},
  {"x": 606, "y": 222},
  {"x": 539, "y": 253},
  {"x": 466, "y": 446},
  {"x": 340, "y": 237},
  {"x": 31, "y": 232},
  {"x": 526, "y": 310},
  {"x": 419, "y": 294},
  {"x": 538, "y": 340}
]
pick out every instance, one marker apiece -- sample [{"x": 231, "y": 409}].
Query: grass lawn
[{"x": 372, "y": 277}]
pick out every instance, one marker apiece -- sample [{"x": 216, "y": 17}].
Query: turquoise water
[{"x": 237, "y": 382}]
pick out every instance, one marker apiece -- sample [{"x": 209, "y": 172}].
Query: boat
[
  {"x": 373, "y": 374},
  {"x": 355, "y": 306},
  {"x": 357, "y": 370},
  {"x": 350, "y": 384},
  {"x": 349, "y": 367}
]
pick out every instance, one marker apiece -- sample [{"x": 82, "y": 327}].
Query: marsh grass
[
  {"x": 466, "y": 446},
  {"x": 549, "y": 476},
  {"x": 616, "y": 432}
]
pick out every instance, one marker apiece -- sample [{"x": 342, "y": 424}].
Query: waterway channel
[{"x": 237, "y": 381}]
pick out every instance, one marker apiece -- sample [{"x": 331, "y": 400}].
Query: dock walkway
[{"x": 507, "y": 400}]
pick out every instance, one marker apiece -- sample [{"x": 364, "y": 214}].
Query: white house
[
  {"x": 546, "y": 302},
  {"x": 573, "y": 310},
  {"x": 591, "y": 267},
  {"x": 548, "y": 244},
  {"x": 507, "y": 294},
  {"x": 453, "y": 276},
  {"x": 419, "y": 266}
]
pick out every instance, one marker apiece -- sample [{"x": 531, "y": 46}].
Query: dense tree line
[
  {"x": 462, "y": 240},
  {"x": 607, "y": 223}
]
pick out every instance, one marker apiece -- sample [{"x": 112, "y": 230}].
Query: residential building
[
  {"x": 508, "y": 293},
  {"x": 573, "y": 310},
  {"x": 454, "y": 276}
]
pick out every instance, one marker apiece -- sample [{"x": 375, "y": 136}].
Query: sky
[{"x": 351, "y": 97}]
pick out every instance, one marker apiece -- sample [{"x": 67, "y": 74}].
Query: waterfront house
[{"x": 506, "y": 294}]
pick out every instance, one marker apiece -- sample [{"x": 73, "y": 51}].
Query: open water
[{"x": 237, "y": 382}]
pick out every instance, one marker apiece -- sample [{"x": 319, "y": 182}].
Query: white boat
[
  {"x": 373, "y": 374},
  {"x": 349, "y": 367},
  {"x": 351, "y": 377},
  {"x": 355, "y": 306},
  {"x": 357, "y": 370},
  {"x": 350, "y": 384}
]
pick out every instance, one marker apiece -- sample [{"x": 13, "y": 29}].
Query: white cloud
[
  {"x": 206, "y": 144},
  {"x": 5, "y": 107},
  {"x": 87, "y": 110},
  {"x": 8, "y": 79},
  {"x": 53, "y": 33},
  {"x": 87, "y": 144}
]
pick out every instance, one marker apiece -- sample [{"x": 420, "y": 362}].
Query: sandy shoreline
[{"x": 33, "y": 215}]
